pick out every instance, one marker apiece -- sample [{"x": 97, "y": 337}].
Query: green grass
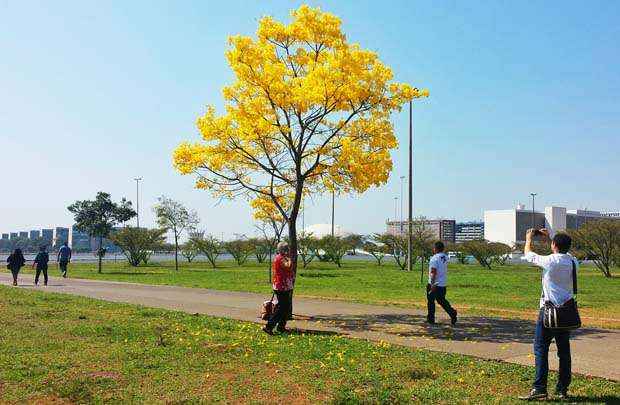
[
  {"x": 508, "y": 291},
  {"x": 61, "y": 348}
]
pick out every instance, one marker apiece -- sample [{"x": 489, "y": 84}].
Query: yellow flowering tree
[{"x": 309, "y": 112}]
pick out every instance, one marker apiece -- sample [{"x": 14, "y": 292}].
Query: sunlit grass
[{"x": 66, "y": 348}]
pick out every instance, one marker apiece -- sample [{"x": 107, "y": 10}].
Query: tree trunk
[
  {"x": 99, "y": 252},
  {"x": 176, "y": 252}
]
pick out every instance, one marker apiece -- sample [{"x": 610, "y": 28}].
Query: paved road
[{"x": 595, "y": 352}]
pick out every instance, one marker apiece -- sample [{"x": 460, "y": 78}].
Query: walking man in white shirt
[
  {"x": 437, "y": 282},
  {"x": 557, "y": 287}
]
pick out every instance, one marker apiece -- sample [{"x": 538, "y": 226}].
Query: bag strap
[{"x": 574, "y": 276}]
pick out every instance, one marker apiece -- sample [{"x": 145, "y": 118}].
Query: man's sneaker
[
  {"x": 428, "y": 321},
  {"x": 453, "y": 318},
  {"x": 563, "y": 395},
  {"x": 534, "y": 395},
  {"x": 267, "y": 330}
]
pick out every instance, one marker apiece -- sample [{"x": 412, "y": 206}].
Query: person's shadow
[{"x": 479, "y": 329}]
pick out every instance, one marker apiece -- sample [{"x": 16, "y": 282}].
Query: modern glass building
[
  {"x": 466, "y": 231},
  {"x": 441, "y": 229},
  {"x": 61, "y": 235}
]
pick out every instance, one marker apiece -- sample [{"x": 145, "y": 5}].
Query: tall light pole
[
  {"x": 395, "y": 209},
  {"x": 402, "y": 179},
  {"x": 410, "y": 216},
  {"x": 138, "y": 179},
  {"x": 533, "y": 221},
  {"x": 333, "y": 209}
]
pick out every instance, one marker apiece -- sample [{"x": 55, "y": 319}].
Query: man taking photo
[{"x": 557, "y": 287}]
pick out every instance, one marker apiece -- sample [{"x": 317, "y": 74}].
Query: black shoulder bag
[{"x": 565, "y": 316}]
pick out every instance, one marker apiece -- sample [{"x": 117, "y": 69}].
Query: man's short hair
[
  {"x": 562, "y": 242},
  {"x": 439, "y": 246}
]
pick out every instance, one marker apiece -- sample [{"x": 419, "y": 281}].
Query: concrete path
[{"x": 595, "y": 352}]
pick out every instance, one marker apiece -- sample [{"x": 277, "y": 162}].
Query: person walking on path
[
  {"x": 40, "y": 262},
  {"x": 283, "y": 276},
  {"x": 557, "y": 287},
  {"x": 437, "y": 282},
  {"x": 63, "y": 259},
  {"x": 15, "y": 262}
]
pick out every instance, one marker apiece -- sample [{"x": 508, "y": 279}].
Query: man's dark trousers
[
  {"x": 63, "y": 267},
  {"x": 281, "y": 313},
  {"x": 542, "y": 340},
  {"x": 39, "y": 270},
  {"x": 438, "y": 295}
]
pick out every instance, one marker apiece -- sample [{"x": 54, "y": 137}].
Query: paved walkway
[{"x": 595, "y": 352}]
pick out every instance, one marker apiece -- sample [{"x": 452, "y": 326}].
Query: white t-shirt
[
  {"x": 439, "y": 262},
  {"x": 557, "y": 276}
]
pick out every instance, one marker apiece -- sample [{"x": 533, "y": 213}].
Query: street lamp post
[
  {"x": 138, "y": 179},
  {"x": 402, "y": 179},
  {"x": 410, "y": 203},
  {"x": 395, "y": 209},
  {"x": 533, "y": 212},
  {"x": 333, "y": 209}
]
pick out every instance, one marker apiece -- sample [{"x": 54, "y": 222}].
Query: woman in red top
[{"x": 283, "y": 278}]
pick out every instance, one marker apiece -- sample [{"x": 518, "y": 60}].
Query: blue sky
[{"x": 524, "y": 97}]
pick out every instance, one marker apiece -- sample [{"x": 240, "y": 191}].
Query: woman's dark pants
[
  {"x": 14, "y": 272},
  {"x": 542, "y": 340},
  {"x": 281, "y": 313}
]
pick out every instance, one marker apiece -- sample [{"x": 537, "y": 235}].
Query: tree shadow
[
  {"x": 319, "y": 275},
  {"x": 478, "y": 329}
]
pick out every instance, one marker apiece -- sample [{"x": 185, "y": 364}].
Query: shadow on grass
[
  {"x": 580, "y": 399},
  {"x": 319, "y": 275},
  {"x": 495, "y": 330}
]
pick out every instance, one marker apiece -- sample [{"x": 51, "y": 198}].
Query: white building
[{"x": 509, "y": 226}]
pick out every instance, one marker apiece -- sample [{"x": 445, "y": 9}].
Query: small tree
[
  {"x": 189, "y": 250},
  {"x": 600, "y": 240},
  {"x": 137, "y": 244},
  {"x": 501, "y": 253},
  {"x": 261, "y": 247},
  {"x": 209, "y": 246},
  {"x": 99, "y": 216},
  {"x": 335, "y": 248},
  {"x": 397, "y": 246},
  {"x": 376, "y": 248},
  {"x": 482, "y": 251},
  {"x": 355, "y": 241},
  {"x": 240, "y": 249},
  {"x": 173, "y": 215},
  {"x": 307, "y": 248}
]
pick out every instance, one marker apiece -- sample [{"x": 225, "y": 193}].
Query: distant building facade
[
  {"x": 61, "y": 236},
  {"x": 441, "y": 229},
  {"x": 14, "y": 235},
  {"x": 510, "y": 226},
  {"x": 34, "y": 234},
  {"x": 466, "y": 231},
  {"x": 80, "y": 241},
  {"x": 5, "y": 236},
  {"x": 23, "y": 235}
]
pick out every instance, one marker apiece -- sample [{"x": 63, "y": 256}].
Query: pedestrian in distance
[
  {"x": 283, "y": 276},
  {"x": 437, "y": 284},
  {"x": 15, "y": 262},
  {"x": 64, "y": 258},
  {"x": 40, "y": 263},
  {"x": 557, "y": 288}
]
